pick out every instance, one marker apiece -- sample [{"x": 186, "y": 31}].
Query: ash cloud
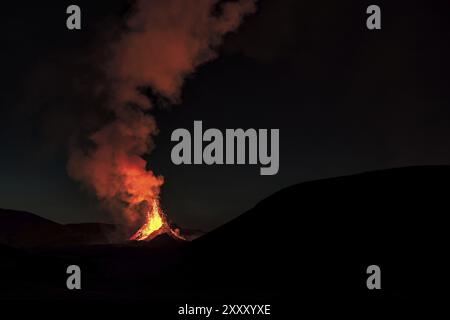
[{"x": 163, "y": 42}]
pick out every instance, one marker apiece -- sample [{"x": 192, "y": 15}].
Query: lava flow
[{"x": 155, "y": 224}]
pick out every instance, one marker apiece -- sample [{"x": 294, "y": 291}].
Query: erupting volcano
[
  {"x": 155, "y": 224},
  {"x": 163, "y": 43}
]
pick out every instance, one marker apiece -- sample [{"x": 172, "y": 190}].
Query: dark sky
[{"x": 345, "y": 99}]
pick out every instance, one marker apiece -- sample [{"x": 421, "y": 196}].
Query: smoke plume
[{"x": 163, "y": 42}]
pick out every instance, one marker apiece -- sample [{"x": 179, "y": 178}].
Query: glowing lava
[{"x": 155, "y": 224}]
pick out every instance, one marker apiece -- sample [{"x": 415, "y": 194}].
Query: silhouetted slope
[
  {"x": 318, "y": 238},
  {"x": 19, "y": 228},
  {"x": 24, "y": 229}
]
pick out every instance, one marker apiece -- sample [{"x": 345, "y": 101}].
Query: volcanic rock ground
[{"x": 306, "y": 245}]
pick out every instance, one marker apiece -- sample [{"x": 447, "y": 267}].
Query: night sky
[{"x": 345, "y": 99}]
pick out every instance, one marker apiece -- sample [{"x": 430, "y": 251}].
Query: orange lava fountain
[{"x": 155, "y": 224}]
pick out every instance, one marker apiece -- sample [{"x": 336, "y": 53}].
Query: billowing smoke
[{"x": 164, "y": 41}]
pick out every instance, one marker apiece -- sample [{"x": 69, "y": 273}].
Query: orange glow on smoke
[{"x": 162, "y": 43}]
